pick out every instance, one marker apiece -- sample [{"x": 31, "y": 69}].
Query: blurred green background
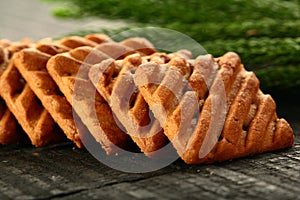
[{"x": 265, "y": 33}]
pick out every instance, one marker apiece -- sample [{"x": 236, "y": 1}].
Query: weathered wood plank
[
  {"x": 64, "y": 172},
  {"x": 68, "y": 173},
  {"x": 58, "y": 171},
  {"x": 249, "y": 178}
]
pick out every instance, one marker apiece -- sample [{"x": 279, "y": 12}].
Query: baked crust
[
  {"x": 32, "y": 62},
  {"x": 74, "y": 83},
  {"x": 10, "y": 132},
  {"x": 114, "y": 81},
  {"x": 193, "y": 107},
  {"x": 211, "y": 109}
]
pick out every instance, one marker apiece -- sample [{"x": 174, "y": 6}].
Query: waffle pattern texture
[{"x": 128, "y": 96}]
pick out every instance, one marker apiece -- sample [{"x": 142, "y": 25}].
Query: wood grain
[{"x": 65, "y": 172}]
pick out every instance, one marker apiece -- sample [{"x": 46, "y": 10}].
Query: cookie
[
  {"x": 114, "y": 81},
  {"x": 25, "y": 106},
  {"x": 28, "y": 110},
  {"x": 89, "y": 104},
  {"x": 10, "y": 131},
  {"x": 213, "y": 112},
  {"x": 32, "y": 62}
]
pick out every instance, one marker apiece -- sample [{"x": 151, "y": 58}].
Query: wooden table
[{"x": 64, "y": 172}]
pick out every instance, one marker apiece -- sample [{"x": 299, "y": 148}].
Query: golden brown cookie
[
  {"x": 114, "y": 81},
  {"x": 9, "y": 126},
  {"x": 89, "y": 104},
  {"x": 127, "y": 104},
  {"x": 215, "y": 111},
  {"x": 25, "y": 106},
  {"x": 32, "y": 65}
]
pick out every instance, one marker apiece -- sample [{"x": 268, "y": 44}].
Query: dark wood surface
[{"x": 64, "y": 172}]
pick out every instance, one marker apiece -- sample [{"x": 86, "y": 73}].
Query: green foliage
[
  {"x": 266, "y": 27},
  {"x": 279, "y": 78},
  {"x": 188, "y": 11},
  {"x": 259, "y": 52},
  {"x": 265, "y": 33}
]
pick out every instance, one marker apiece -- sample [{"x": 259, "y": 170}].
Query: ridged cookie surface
[
  {"x": 10, "y": 130},
  {"x": 91, "y": 107},
  {"x": 32, "y": 62},
  {"x": 214, "y": 111}
]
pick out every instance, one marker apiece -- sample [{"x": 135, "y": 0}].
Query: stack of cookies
[{"x": 128, "y": 96}]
